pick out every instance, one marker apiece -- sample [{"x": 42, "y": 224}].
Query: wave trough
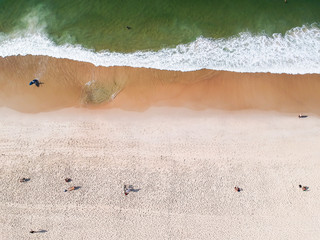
[{"x": 296, "y": 52}]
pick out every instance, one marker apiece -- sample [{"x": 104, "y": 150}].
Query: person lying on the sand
[
  {"x": 304, "y": 188},
  {"x": 70, "y": 189}
]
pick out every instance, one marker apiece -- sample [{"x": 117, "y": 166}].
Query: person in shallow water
[{"x": 35, "y": 81}]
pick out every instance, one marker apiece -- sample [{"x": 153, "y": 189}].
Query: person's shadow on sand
[
  {"x": 39, "y": 231},
  {"x": 132, "y": 189},
  {"x": 129, "y": 188}
]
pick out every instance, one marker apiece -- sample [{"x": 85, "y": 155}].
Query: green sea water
[{"x": 102, "y": 24}]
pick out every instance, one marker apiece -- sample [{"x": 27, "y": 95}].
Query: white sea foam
[
  {"x": 296, "y": 52},
  {"x": 90, "y": 83}
]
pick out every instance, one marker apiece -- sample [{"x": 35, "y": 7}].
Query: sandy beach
[
  {"x": 70, "y": 83},
  {"x": 151, "y": 120},
  {"x": 183, "y": 165}
]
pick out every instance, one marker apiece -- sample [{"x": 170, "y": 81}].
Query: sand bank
[
  {"x": 77, "y": 84},
  {"x": 184, "y": 165}
]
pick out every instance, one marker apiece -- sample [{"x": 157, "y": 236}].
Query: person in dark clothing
[{"x": 35, "y": 81}]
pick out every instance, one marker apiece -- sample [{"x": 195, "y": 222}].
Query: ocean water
[{"x": 241, "y": 36}]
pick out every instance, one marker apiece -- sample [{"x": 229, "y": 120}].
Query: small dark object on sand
[
  {"x": 22, "y": 179},
  {"x": 67, "y": 179},
  {"x": 32, "y": 231},
  {"x": 237, "y": 189}
]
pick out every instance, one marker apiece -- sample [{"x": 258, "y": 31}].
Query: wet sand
[
  {"x": 76, "y": 84},
  {"x": 184, "y": 165}
]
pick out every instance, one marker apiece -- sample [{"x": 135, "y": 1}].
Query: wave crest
[{"x": 296, "y": 52}]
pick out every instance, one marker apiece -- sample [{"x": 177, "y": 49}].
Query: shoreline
[{"x": 69, "y": 83}]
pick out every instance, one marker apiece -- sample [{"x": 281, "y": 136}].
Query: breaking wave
[{"x": 296, "y": 52}]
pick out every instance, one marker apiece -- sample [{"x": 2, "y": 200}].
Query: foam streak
[{"x": 296, "y": 52}]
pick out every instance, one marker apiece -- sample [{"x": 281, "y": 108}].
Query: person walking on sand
[
  {"x": 237, "y": 189},
  {"x": 35, "y": 82}
]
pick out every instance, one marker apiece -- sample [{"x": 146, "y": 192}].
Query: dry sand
[{"x": 184, "y": 165}]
